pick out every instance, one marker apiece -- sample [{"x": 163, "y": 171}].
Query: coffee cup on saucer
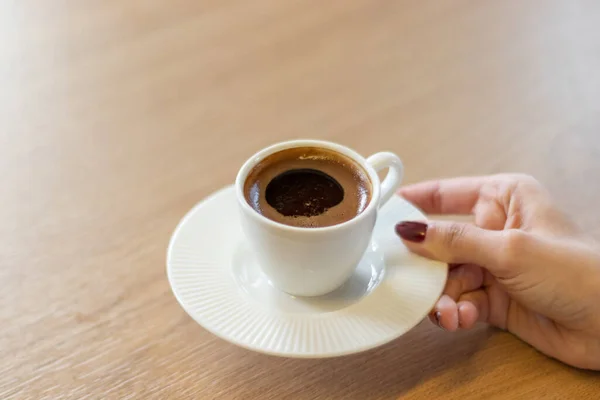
[{"x": 299, "y": 257}]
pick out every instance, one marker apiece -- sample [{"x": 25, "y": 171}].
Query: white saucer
[{"x": 216, "y": 280}]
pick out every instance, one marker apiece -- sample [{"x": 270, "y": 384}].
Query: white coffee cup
[{"x": 315, "y": 261}]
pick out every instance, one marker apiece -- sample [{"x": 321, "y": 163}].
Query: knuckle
[
  {"x": 517, "y": 179},
  {"x": 525, "y": 181},
  {"x": 454, "y": 235},
  {"x": 465, "y": 278},
  {"x": 435, "y": 199}
]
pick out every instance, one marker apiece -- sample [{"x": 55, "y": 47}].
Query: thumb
[{"x": 452, "y": 242}]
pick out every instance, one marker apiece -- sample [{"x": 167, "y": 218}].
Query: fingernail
[
  {"x": 412, "y": 231},
  {"x": 438, "y": 319}
]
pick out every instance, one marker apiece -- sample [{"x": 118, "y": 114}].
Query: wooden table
[{"x": 116, "y": 117}]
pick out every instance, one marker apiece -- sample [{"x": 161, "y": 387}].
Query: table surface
[{"x": 116, "y": 117}]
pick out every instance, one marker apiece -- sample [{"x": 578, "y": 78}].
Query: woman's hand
[{"x": 523, "y": 266}]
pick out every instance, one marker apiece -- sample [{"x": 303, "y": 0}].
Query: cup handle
[{"x": 392, "y": 181}]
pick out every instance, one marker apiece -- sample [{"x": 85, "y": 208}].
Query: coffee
[{"x": 308, "y": 187}]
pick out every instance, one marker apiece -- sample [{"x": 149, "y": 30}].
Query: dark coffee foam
[
  {"x": 308, "y": 187},
  {"x": 303, "y": 193}
]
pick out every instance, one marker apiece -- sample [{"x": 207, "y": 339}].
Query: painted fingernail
[
  {"x": 412, "y": 231},
  {"x": 437, "y": 316}
]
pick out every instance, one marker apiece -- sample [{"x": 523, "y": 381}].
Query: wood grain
[{"x": 116, "y": 117}]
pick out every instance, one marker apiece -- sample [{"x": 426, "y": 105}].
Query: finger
[
  {"x": 462, "y": 279},
  {"x": 452, "y": 242},
  {"x": 467, "y": 314},
  {"x": 445, "y": 314},
  {"x": 448, "y": 196},
  {"x": 488, "y": 278},
  {"x": 473, "y": 307}
]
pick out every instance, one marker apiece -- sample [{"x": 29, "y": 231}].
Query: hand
[{"x": 523, "y": 266}]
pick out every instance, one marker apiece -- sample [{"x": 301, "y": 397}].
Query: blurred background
[{"x": 116, "y": 117}]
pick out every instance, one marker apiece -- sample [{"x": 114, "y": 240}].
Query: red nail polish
[
  {"x": 412, "y": 231},
  {"x": 438, "y": 319},
  {"x": 438, "y": 316}
]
